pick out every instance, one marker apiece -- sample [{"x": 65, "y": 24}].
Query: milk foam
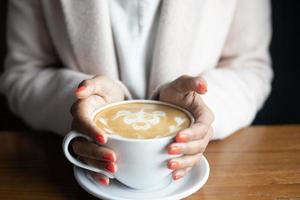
[{"x": 142, "y": 120}]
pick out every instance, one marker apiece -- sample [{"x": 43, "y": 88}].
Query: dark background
[{"x": 283, "y": 105}]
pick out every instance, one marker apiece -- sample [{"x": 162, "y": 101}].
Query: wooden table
[{"x": 260, "y": 162}]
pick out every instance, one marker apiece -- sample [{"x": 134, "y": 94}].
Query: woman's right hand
[{"x": 92, "y": 94}]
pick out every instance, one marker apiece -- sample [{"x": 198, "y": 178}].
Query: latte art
[{"x": 142, "y": 120}]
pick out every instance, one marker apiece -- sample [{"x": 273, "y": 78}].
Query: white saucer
[{"x": 179, "y": 189}]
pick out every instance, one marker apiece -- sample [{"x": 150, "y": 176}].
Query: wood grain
[
  {"x": 255, "y": 163},
  {"x": 260, "y": 162}
]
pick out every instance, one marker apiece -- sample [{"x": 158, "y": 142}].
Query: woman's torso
[{"x": 189, "y": 39}]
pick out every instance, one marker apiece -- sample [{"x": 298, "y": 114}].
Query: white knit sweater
[{"x": 54, "y": 45}]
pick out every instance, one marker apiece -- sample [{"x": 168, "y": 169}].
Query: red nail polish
[
  {"x": 174, "y": 150},
  {"x": 176, "y": 177},
  {"x": 173, "y": 165},
  {"x": 79, "y": 89},
  {"x": 109, "y": 157},
  {"x": 99, "y": 138},
  {"x": 182, "y": 138},
  {"x": 202, "y": 87},
  {"x": 110, "y": 167},
  {"x": 103, "y": 181}
]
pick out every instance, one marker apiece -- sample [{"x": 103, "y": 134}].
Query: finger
[
  {"x": 86, "y": 107},
  {"x": 197, "y": 146},
  {"x": 83, "y": 123},
  {"x": 183, "y": 162},
  {"x": 111, "y": 167},
  {"x": 90, "y": 150},
  {"x": 203, "y": 114},
  {"x": 196, "y": 132},
  {"x": 185, "y": 84},
  {"x": 204, "y": 118},
  {"x": 191, "y": 147},
  {"x": 103, "y": 180},
  {"x": 178, "y": 174},
  {"x": 86, "y": 126},
  {"x": 99, "y": 85}
]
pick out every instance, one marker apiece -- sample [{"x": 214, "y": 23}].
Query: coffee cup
[{"x": 141, "y": 158}]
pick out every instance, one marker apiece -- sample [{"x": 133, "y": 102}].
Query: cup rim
[{"x": 110, "y": 136}]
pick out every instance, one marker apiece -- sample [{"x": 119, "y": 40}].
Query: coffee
[
  {"x": 136, "y": 119},
  {"x": 142, "y": 120}
]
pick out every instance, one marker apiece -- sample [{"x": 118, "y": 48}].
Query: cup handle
[{"x": 66, "y": 142}]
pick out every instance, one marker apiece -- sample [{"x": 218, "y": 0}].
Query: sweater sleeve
[
  {"x": 240, "y": 84},
  {"x": 37, "y": 89}
]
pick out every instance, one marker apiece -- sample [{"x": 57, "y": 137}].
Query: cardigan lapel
[
  {"x": 185, "y": 41},
  {"x": 89, "y": 29},
  {"x": 184, "y": 29},
  {"x": 178, "y": 24}
]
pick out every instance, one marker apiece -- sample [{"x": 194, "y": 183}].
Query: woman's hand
[
  {"x": 191, "y": 142},
  {"x": 92, "y": 94}
]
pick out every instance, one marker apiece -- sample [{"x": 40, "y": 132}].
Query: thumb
[
  {"x": 186, "y": 84},
  {"x": 100, "y": 85}
]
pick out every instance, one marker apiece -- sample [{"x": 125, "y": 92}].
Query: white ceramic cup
[{"x": 142, "y": 163}]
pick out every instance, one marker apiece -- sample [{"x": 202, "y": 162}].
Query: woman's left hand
[{"x": 191, "y": 142}]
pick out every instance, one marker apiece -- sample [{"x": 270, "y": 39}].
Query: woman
[{"x": 166, "y": 50}]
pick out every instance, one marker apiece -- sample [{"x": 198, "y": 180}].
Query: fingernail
[
  {"x": 103, "y": 181},
  {"x": 173, "y": 165},
  {"x": 110, "y": 167},
  {"x": 182, "y": 138},
  {"x": 108, "y": 157},
  {"x": 81, "y": 88},
  {"x": 100, "y": 139},
  {"x": 174, "y": 150},
  {"x": 202, "y": 87},
  {"x": 176, "y": 177}
]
